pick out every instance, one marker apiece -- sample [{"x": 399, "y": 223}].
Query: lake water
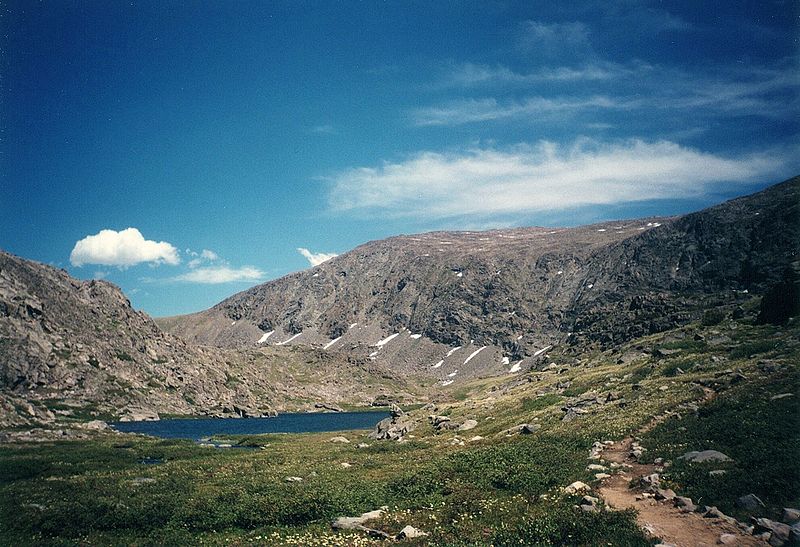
[{"x": 309, "y": 422}]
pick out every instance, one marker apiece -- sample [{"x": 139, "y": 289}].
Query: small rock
[
  {"x": 294, "y": 479},
  {"x": 409, "y": 532},
  {"x": 362, "y": 445},
  {"x": 476, "y": 438},
  {"x": 346, "y": 464},
  {"x": 686, "y": 505},
  {"x": 705, "y": 456},
  {"x": 527, "y": 429},
  {"x": 577, "y": 487},
  {"x": 595, "y": 467},
  {"x": 466, "y": 426},
  {"x": 653, "y": 479},
  {"x": 97, "y": 425},
  {"x": 717, "y": 473},
  {"x": 344, "y": 440},
  {"x": 664, "y": 494},
  {"x": 601, "y": 476},
  {"x": 781, "y": 396},
  {"x": 728, "y": 539},
  {"x": 750, "y": 503}
]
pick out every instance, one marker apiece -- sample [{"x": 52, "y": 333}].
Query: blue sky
[{"x": 188, "y": 150}]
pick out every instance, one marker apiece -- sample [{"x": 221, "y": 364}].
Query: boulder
[
  {"x": 339, "y": 439},
  {"x": 686, "y": 505},
  {"x": 409, "y": 532},
  {"x": 728, "y": 539},
  {"x": 750, "y": 503},
  {"x": 97, "y": 425},
  {"x": 357, "y": 523},
  {"x": 705, "y": 456},
  {"x": 790, "y": 516},
  {"x": 467, "y": 425},
  {"x": 778, "y": 530},
  {"x": 576, "y": 488}
]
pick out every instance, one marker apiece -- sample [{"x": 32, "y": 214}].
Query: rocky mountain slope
[
  {"x": 77, "y": 349},
  {"x": 462, "y": 304}
]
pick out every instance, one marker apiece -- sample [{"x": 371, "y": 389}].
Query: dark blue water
[{"x": 284, "y": 423}]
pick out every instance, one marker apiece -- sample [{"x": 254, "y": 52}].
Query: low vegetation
[{"x": 482, "y": 487}]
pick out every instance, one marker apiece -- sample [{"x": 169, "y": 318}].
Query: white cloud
[
  {"x": 124, "y": 248},
  {"x": 205, "y": 256},
  {"x": 555, "y": 39},
  {"x": 470, "y": 74},
  {"x": 315, "y": 259},
  {"x": 221, "y": 274},
  {"x": 481, "y": 110},
  {"x": 541, "y": 177}
]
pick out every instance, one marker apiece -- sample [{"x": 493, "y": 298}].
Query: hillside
[
  {"x": 509, "y": 294},
  {"x": 77, "y": 349}
]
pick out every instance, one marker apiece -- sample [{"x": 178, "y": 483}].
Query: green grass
[
  {"x": 77, "y": 490},
  {"x": 760, "y": 434},
  {"x": 530, "y": 404}
]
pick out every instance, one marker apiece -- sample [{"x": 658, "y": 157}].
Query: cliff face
[{"x": 516, "y": 291}]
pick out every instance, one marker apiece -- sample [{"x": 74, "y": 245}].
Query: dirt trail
[{"x": 662, "y": 519}]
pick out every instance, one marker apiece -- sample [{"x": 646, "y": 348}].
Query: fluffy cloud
[
  {"x": 315, "y": 259},
  {"x": 123, "y": 249},
  {"x": 221, "y": 274},
  {"x": 542, "y": 177},
  {"x": 205, "y": 256}
]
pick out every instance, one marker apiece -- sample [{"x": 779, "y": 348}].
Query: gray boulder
[
  {"x": 750, "y": 503},
  {"x": 779, "y": 531},
  {"x": 790, "y": 516},
  {"x": 467, "y": 425},
  {"x": 705, "y": 456}
]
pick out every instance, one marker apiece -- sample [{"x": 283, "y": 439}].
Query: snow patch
[
  {"x": 264, "y": 337},
  {"x": 519, "y": 337},
  {"x": 601, "y": 230},
  {"x": 437, "y": 365},
  {"x": 460, "y": 274},
  {"x": 474, "y": 353},
  {"x": 516, "y": 367},
  {"x": 452, "y": 351},
  {"x": 416, "y": 336},
  {"x": 387, "y": 340},
  {"x": 541, "y": 351},
  {"x": 452, "y": 374},
  {"x": 447, "y": 382},
  {"x": 560, "y": 272},
  {"x": 332, "y": 342},
  {"x": 590, "y": 285},
  {"x": 505, "y": 360},
  {"x": 232, "y": 324},
  {"x": 289, "y": 340},
  {"x": 315, "y": 275},
  {"x": 353, "y": 325},
  {"x": 374, "y": 353}
]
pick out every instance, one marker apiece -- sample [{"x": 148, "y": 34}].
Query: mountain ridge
[{"x": 517, "y": 290}]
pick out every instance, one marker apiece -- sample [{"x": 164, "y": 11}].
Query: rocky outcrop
[{"x": 75, "y": 350}]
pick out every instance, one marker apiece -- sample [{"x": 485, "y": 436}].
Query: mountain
[
  {"x": 78, "y": 349},
  {"x": 476, "y": 303}
]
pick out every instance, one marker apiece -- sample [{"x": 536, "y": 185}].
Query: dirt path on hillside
[{"x": 661, "y": 519}]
